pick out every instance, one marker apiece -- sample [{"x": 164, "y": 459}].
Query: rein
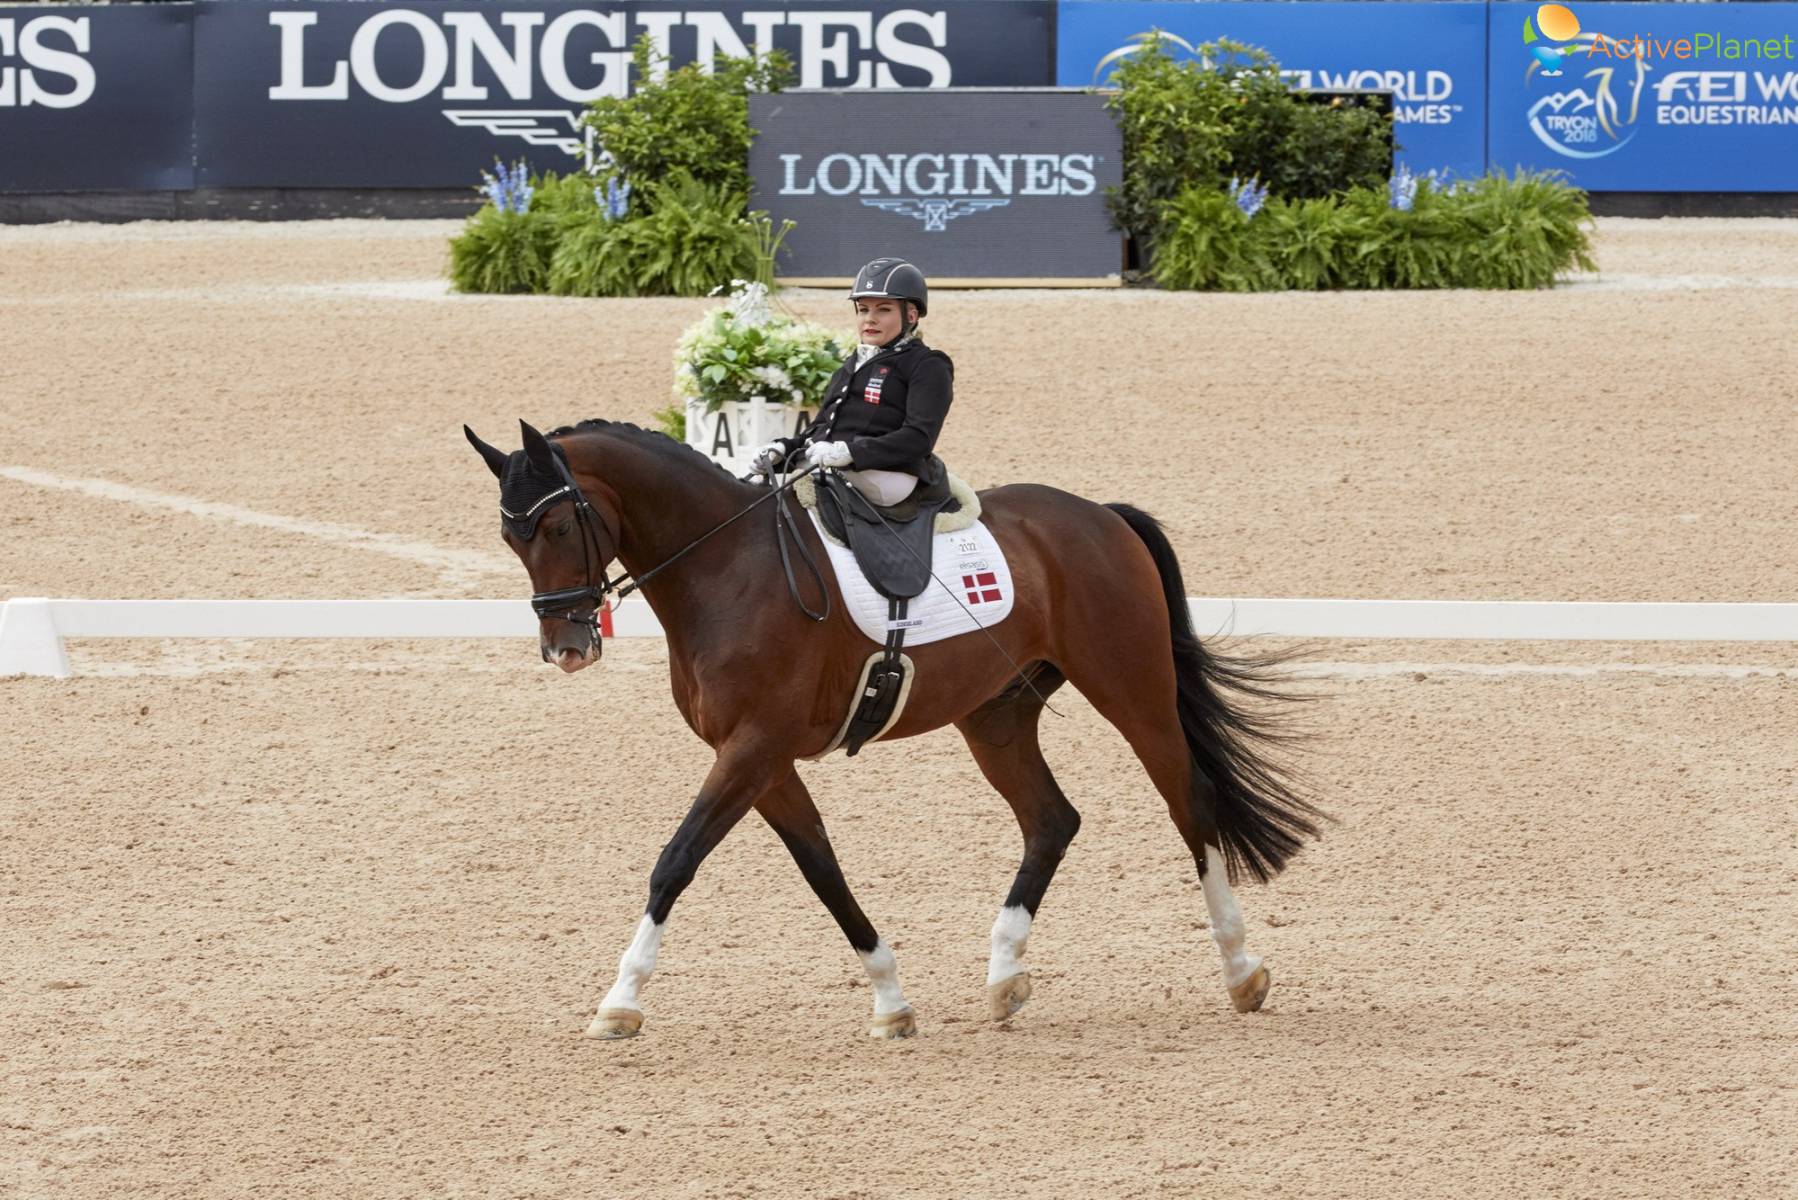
[{"x": 563, "y": 601}]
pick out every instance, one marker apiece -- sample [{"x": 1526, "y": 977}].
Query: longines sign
[
  {"x": 968, "y": 184},
  {"x": 95, "y": 98},
  {"x": 334, "y": 94}
]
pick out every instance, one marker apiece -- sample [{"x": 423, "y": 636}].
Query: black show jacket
[{"x": 889, "y": 410}]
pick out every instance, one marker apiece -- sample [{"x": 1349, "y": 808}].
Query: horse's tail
[{"x": 1261, "y": 818}]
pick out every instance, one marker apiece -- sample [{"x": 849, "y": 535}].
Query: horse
[{"x": 1099, "y": 604}]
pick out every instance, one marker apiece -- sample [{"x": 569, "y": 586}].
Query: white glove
[
  {"x": 767, "y": 458},
  {"x": 828, "y": 454}
]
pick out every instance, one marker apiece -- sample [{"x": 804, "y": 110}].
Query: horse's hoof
[
  {"x": 1248, "y": 995},
  {"x": 611, "y": 1024},
  {"x": 1008, "y": 995},
  {"x": 888, "y": 1026}
]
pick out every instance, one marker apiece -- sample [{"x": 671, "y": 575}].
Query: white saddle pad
[{"x": 969, "y": 561}]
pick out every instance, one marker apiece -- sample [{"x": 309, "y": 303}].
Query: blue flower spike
[
  {"x": 1249, "y": 197},
  {"x": 1401, "y": 189},
  {"x": 508, "y": 188}
]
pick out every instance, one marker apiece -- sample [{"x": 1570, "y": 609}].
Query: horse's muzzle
[{"x": 570, "y": 642}]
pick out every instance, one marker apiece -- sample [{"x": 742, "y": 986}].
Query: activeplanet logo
[{"x": 1586, "y": 120}]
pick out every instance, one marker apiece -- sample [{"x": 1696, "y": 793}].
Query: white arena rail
[{"x": 32, "y": 631}]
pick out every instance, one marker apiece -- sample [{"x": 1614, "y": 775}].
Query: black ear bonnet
[{"x": 526, "y": 492}]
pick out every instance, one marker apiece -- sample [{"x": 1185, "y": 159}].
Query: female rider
[{"x": 884, "y": 407}]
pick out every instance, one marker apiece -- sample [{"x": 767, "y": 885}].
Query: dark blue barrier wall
[
  {"x": 332, "y": 94},
  {"x": 1432, "y": 57},
  {"x": 96, "y": 99}
]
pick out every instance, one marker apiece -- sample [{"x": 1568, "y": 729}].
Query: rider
[{"x": 884, "y": 407}]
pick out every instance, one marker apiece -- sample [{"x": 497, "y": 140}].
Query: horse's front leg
[
  {"x": 736, "y": 781},
  {"x": 788, "y": 808}
]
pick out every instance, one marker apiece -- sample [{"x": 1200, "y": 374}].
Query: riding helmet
[{"x": 891, "y": 279}]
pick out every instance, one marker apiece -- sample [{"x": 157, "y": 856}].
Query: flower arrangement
[{"x": 743, "y": 350}]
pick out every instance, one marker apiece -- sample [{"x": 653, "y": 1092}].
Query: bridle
[{"x": 565, "y": 602}]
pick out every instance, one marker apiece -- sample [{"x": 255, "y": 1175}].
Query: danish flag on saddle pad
[{"x": 983, "y": 588}]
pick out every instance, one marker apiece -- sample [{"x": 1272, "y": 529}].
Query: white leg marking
[
  {"x": 883, "y": 973},
  {"x": 1010, "y": 931},
  {"x": 634, "y": 967},
  {"x": 1226, "y": 920}
]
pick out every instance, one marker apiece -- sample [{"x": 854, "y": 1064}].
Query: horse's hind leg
[
  {"x": 1141, "y": 703},
  {"x": 1003, "y": 737},
  {"x": 788, "y": 808}
]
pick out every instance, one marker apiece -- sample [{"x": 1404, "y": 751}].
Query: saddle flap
[{"x": 892, "y": 550}]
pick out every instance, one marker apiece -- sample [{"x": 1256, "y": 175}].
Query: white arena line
[
  {"x": 1395, "y": 670},
  {"x": 1608, "y": 282},
  {"x": 455, "y": 566}
]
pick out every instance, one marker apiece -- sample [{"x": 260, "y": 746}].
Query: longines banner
[
  {"x": 967, "y": 184},
  {"x": 1648, "y": 97},
  {"x": 334, "y": 94},
  {"x": 96, "y": 99},
  {"x": 1431, "y": 57}
]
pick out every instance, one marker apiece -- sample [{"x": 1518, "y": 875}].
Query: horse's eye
[{"x": 564, "y": 528}]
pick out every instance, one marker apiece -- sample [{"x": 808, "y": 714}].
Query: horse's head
[{"x": 563, "y": 539}]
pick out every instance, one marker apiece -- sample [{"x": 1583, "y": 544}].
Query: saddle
[{"x": 892, "y": 544}]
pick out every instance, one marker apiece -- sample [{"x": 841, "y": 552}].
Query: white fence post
[{"x": 29, "y": 643}]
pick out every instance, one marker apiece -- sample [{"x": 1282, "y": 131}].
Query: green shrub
[
  {"x": 688, "y": 120},
  {"x": 1388, "y": 247},
  {"x": 501, "y": 251},
  {"x": 1208, "y": 245},
  {"x": 1524, "y": 229},
  {"x": 1495, "y": 232},
  {"x": 1306, "y": 241},
  {"x": 1324, "y": 149},
  {"x": 693, "y": 239},
  {"x": 1226, "y": 111},
  {"x": 566, "y": 198}
]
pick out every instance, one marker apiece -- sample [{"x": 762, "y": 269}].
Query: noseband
[{"x": 564, "y": 602}]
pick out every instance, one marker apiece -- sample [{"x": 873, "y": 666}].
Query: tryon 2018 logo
[{"x": 1593, "y": 113}]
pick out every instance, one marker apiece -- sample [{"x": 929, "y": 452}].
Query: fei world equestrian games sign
[
  {"x": 335, "y": 94},
  {"x": 1001, "y": 186}
]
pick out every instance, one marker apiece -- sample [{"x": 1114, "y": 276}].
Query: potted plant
[{"x": 745, "y": 374}]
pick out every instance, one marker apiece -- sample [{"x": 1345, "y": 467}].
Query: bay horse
[{"x": 1099, "y": 604}]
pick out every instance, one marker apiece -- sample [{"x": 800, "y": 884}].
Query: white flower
[
  {"x": 798, "y": 396},
  {"x": 772, "y": 375},
  {"x": 750, "y": 305}
]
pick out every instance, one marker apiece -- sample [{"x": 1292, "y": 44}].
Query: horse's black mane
[{"x": 653, "y": 438}]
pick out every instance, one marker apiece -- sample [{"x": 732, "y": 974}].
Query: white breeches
[{"x": 882, "y": 487}]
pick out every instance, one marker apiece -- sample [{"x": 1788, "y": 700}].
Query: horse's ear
[
  {"x": 496, "y": 459},
  {"x": 536, "y": 446}
]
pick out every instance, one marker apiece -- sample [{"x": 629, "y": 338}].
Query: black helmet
[{"x": 891, "y": 279}]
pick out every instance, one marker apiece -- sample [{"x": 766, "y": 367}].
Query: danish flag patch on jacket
[{"x": 871, "y": 393}]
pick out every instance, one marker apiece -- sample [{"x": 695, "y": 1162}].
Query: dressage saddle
[{"x": 891, "y": 543}]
